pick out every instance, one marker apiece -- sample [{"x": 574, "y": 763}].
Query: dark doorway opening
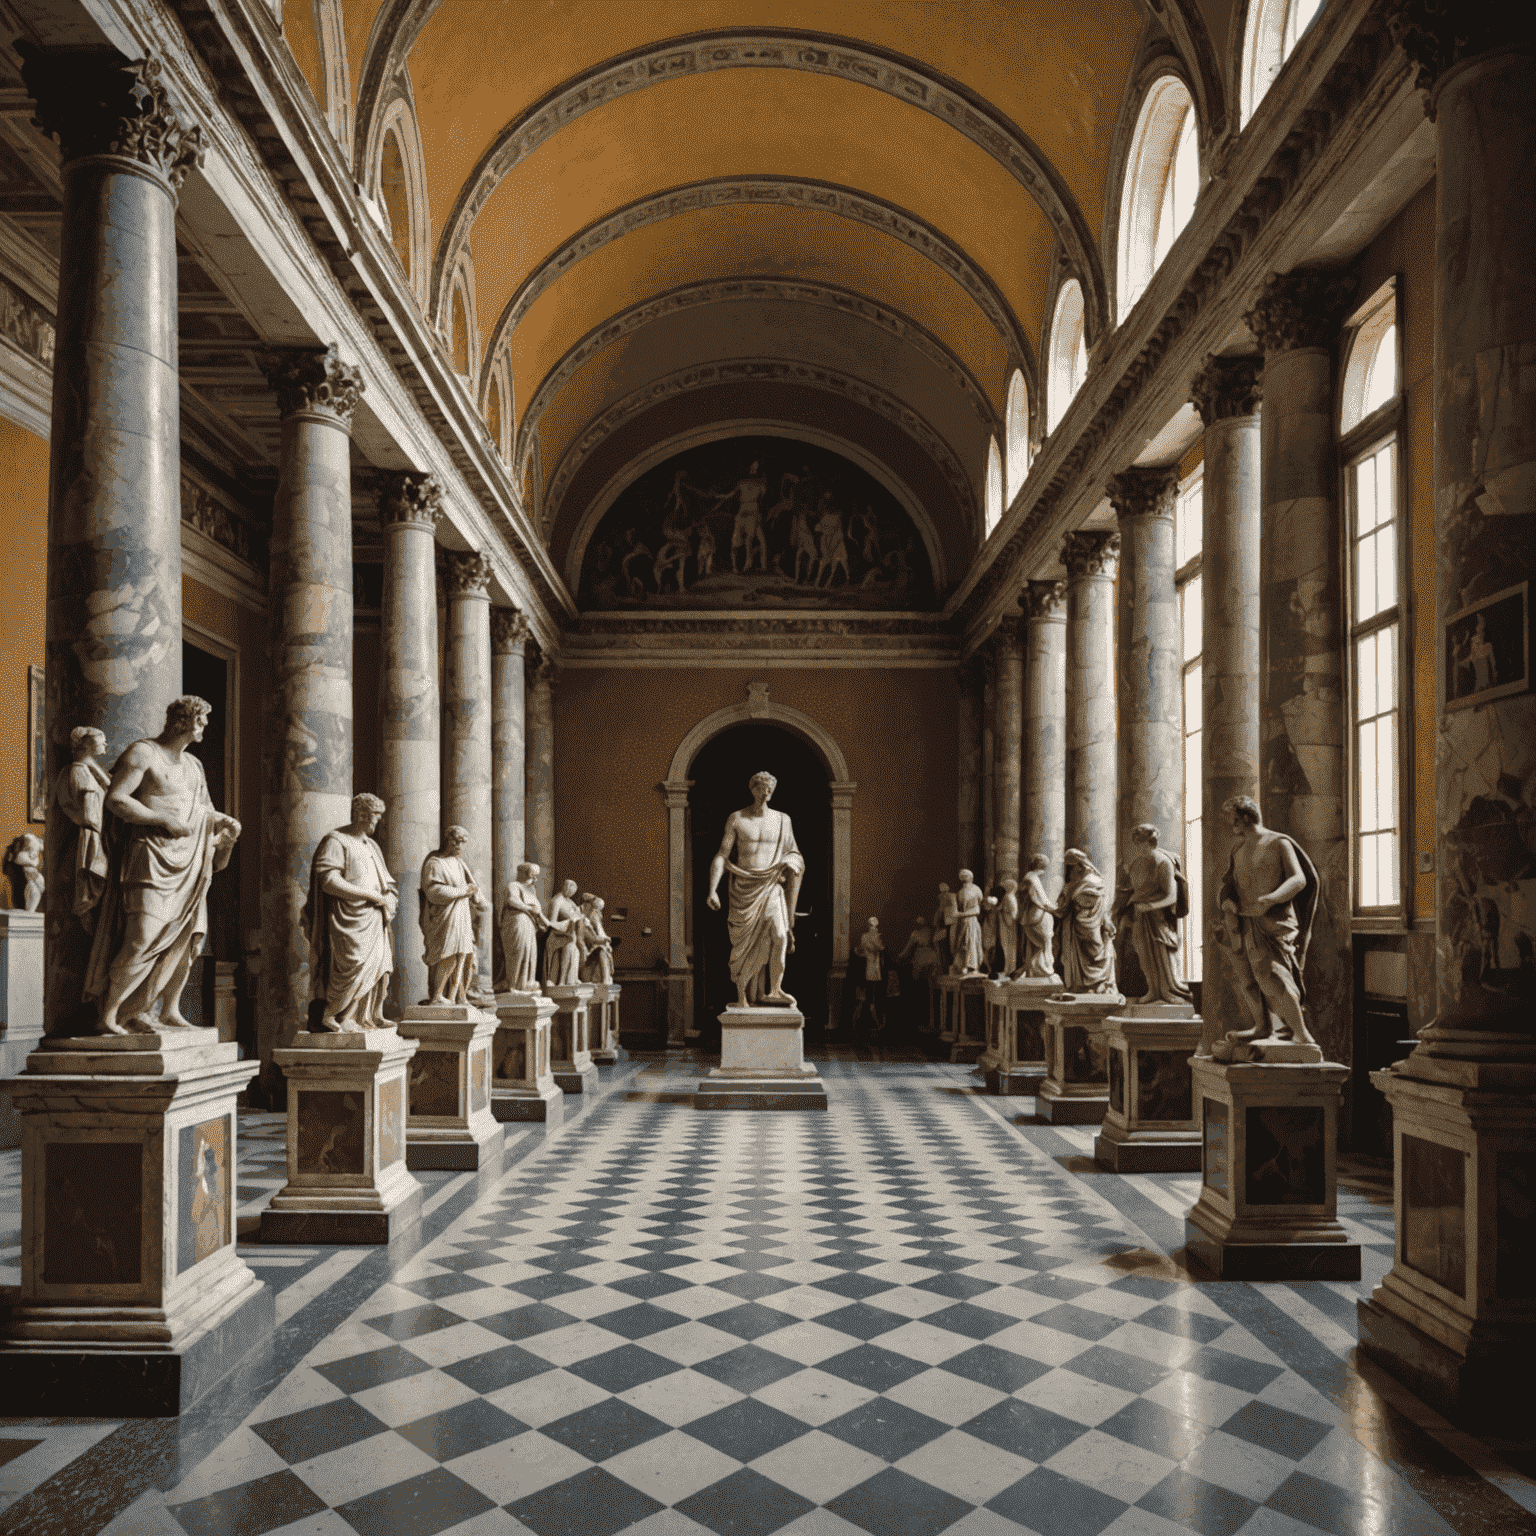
[{"x": 720, "y": 773}]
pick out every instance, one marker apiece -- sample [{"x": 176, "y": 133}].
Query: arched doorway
[{"x": 720, "y": 772}]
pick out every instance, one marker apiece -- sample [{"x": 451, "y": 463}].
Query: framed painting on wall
[
  {"x": 37, "y": 749},
  {"x": 1488, "y": 649}
]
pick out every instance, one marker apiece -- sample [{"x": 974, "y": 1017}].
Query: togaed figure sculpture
[
  {"x": 564, "y": 949},
  {"x": 1037, "y": 923},
  {"x": 1147, "y": 902},
  {"x": 1087, "y": 950},
  {"x": 522, "y": 920},
  {"x": 965, "y": 930},
  {"x": 451, "y": 903},
  {"x": 1268, "y": 899},
  {"x": 597, "y": 947},
  {"x": 352, "y": 900},
  {"x": 81, "y": 792},
  {"x": 766, "y": 869},
  {"x": 165, "y": 842}
]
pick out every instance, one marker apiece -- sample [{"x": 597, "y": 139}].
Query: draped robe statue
[
  {"x": 564, "y": 950},
  {"x": 597, "y": 965},
  {"x": 352, "y": 899},
  {"x": 81, "y": 791},
  {"x": 1037, "y": 924},
  {"x": 1148, "y": 902},
  {"x": 965, "y": 931},
  {"x": 450, "y": 902},
  {"x": 1087, "y": 954},
  {"x": 522, "y": 920}
]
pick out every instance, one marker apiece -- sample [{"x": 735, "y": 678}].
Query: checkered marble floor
[{"x": 907, "y": 1315}]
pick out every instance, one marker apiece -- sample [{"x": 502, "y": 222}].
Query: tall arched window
[
  {"x": 1162, "y": 182},
  {"x": 1068, "y": 351},
  {"x": 1273, "y": 29},
  {"x": 994, "y": 500},
  {"x": 460, "y": 335},
  {"x": 397, "y": 202},
  {"x": 493, "y": 413},
  {"x": 1016, "y": 458}
]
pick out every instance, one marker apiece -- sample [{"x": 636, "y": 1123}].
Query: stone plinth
[
  {"x": 604, "y": 1012},
  {"x": 1268, "y": 1188},
  {"x": 1076, "y": 1086},
  {"x": 962, "y": 1004},
  {"x": 21, "y": 1005},
  {"x": 347, "y": 1178},
  {"x": 522, "y": 1085},
  {"x": 133, "y": 1301},
  {"x": 570, "y": 1033},
  {"x": 1455, "y": 1316},
  {"x": 1151, "y": 1125},
  {"x": 762, "y": 1063},
  {"x": 449, "y": 1123},
  {"x": 1020, "y": 1064}
]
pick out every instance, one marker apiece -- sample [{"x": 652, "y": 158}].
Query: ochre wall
[{"x": 615, "y": 733}]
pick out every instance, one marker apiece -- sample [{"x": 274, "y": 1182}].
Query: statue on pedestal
[
  {"x": 965, "y": 933},
  {"x": 766, "y": 869},
  {"x": 1008, "y": 927},
  {"x": 25, "y": 854},
  {"x": 945, "y": 916},
  {"x": 922, "y": 953},
  {"x": 81, "y": 791},
  {"x": 563, "y": 952},
  {"x": 352, "y": 901},
  {"x": 451, "y": 901},
  {"x": 1149, "y": 898},
  {"x": 166, "y": 843},
  {"x": 597, "y": 966},
  {"x": 1087, "y": 953},
  {"x": 522, "y": 919},
  {"x": 1037, "y": 923},
  {"x": 990, "y": 948}
]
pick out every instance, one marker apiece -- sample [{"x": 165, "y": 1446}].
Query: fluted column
[
  {"x": 410, "y": 755},
  {"x": 541, "y": 770},
  {"x": 1090, "y": 559},
  {"x": 1226, "y": 392},
  {"x": 509, "y": 635},
  {"x": 307, "y": 740},
  {"x": 1009, "y": 743},
  {"x": 1043, "y": 794},
  {"x": 113, "y": 642},
  {"x": 1303, "y": 763},
  {"x": 969, "y": 752},
  {"x": 467, "y": 798}
]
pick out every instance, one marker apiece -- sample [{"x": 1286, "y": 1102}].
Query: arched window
[
  {"x": 397, "y": 203},
  {"x": 1162, "y": 182},
  {"x": 1370, "y": 377},
  {"x": 460, "y": 334},
  {"x": 994, "y": 486},
  {"x": 1016, "y": 459},
  {"x": 1068, "y": 351},
  {"x": 493, "y": 413},
  {"x": 1273, "y": 29}
]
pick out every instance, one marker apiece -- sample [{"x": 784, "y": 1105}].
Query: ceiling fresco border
[
  {"x": 769, "y": 370},
  {"x": 815, "y": 53}
]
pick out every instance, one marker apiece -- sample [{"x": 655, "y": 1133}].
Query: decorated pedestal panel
[
  {"x": 1150, "y": 1125},
  {"x": 523, "y": 1086},
  {"x": 569, "y": 1035},
  {"x": 449, "y": 1121}
]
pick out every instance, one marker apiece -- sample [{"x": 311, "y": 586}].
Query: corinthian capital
[
  {"x": 1300, "y": 309},
  {"x": 466, "y": 574},
  {"x": 411, "y": 500},
  {"x": 1143, "y": 492},
  {"x": 1044, "y": 599},
  {"x": 1436, "y": 34},
  {"x": 96, "y": 102},
  {"x": 1090, "y": 554},
  {"x": 1228, "y": 387},
  {"x": 314, "y": 380},
  {"x": 509, "y": 631}
]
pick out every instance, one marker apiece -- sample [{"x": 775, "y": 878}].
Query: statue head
[
  {"x": 597, "y": 903},
  {"x": 455, "y": 837},
  {"x": 568, "y": 889},
  {"x": 1243, "y": 810},
  {"x": 366, "y": 811},
  {"x": 1145, "y": 834},
  {"x": 527, "y": 873},
  {"x": 86, "y": 741},
  {"x": 1010, "y": 885},
  {"x": 188, "y": 714},
  {"x": 766, "y": 781},
  {"x": 1038, "y": 862},
  {"x": 943, "y": 888},
  {"x": 1078, "y": 862},
  {"x": 966, "y": 877},
  {"x": 874, "y": 922}
]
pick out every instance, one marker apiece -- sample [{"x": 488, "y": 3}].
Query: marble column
[
  {"x": 307, "y": 740},
  {"x": 541, "y": 770},
  {"x": 1090, "y": 559},
  {"x": 1301, "y": 614},
  {"x": 467, "y": 707},
  {"x": 968, "y": 732},
  {"x": 1008, "y": 740},
  {"x": 1226, "y": 393},
  {"x": 1043, "y": 793},
  {"x": 410, "y": 755},
  {"x": 113, "y": 639},
  {"x": 509, "y": 635},
  {"x": 983, "y": 871}
]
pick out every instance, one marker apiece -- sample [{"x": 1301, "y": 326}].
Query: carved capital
[
  {"x": 96, "y": 102},
  {"x": 411, "y": 500},
  {"x": 1304, "y": 308},
  {"x": 1044, "y": 599},
  {"x": 1227, "y": 387},
  {"x": 540, "y": 670},
  {"x": 1436, "y": 34},
  {"x": 466, "y": 573},
  {"x": 509, "y": 631},
  {"x": 1087, "y": 554},
  {"x": 1143, "y": 492},
  {"x": 314, "y": 379},
  {"x": 1008, "y": 634}
]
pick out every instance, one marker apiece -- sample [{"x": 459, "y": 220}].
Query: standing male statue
[
  {"x": 965, "y": 929},
  {"x": 352, "y": 900},
  {"x": 766, "y": 869},
  {"x": 1147, "y": 901},
  {"x": 563, "y": 950},
  {"x": 451, "y": 900},
  {"x": 522, "y": 921},
  {"x": 1037, "y": 923},
  {"x": 167, "y": 842}
]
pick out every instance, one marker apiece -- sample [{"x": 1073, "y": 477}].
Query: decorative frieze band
[
  {"x": 315, "y": 380},
  {"x": 1143, "y": 492},
  {"x": 1044, "y": 599},
  {"x": 1228, "y": 387},
  {"x": 509, "y": 631},
  {"x": 26, "y": 323},
  {"x": 201, "y": 510},
  {"x": 410, "y": 499},
  {"x": 1304, "y": 308},
  {"x": 466, "y": 573},
  {"x": 1087, "y": 554}
]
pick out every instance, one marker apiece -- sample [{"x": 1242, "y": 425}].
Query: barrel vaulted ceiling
[{"x": 676, "y": 215}]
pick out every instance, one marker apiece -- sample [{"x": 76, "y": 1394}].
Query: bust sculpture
[
  {"x": 1037, "y": 922},
  {"x": 1146, "y": 903},
  {"x": 521, "y": 920},
  {"x": 25, "y": 854},
  {"x": 965, "y": 933},
  {"x": 81, "y": 792},
  {"x": 451, "y": 901},
  {"x": 758, "y": 848},
  {"x": 597, "y": 963},
  {"x": 563, "y": 950},
  {"x": 1087, "y": 953},
  {"x": 352, "y": 901}
]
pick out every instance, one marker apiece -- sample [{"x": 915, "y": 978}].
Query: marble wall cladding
[
  {"x": 1434, "y": 1211},
  {"x": 1485, "y": 527},
  {"x": 330, "y": 1131},
  {"x": 541, "y": 773},
  {"x": 391, "y": 1122},
  {"x": 1043, "y": 795},
  {"x": 508, "y": 756},
  {"x": 1164, "y": 1090},
  {"x": 467, "y": 709},
  {"x": 479, "y": 1080},
  {"x": 93, "y": 1213},
  {"x": 1515, "y": 1233},
  {"x": 1216, "y": 1153},
  {"x": 1090, "y": 716},
  {"x": 434, "y": 1077},
  {"x": 204, "y": 1167},
  {"x": 1287, "y": 1160},
  {"x": 1009, "y": 744},
  {"x": 968, "y": 748}
]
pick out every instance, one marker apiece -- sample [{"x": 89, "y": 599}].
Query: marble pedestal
[
  {"x": 1151, "y": 1125},
  {"x": 604, "y": 1013},
  {"x": 1019, "y": 1066},
  {"x": 1269, "y": 1177},
  {"x": 522, "y": 1085},
  {"x": 570, "y": 1038},
  {"x": 762, "y": 1064},
  {"x": 21, "y": 1005},
  {"x": 347, "y": 1177},
  {"x": 1076, "y": 1086},
  {"x": 1455, "y": 1316},
  {"x": 963, "y": 1016},
  {"x": 133, "y": 1301},
  {"x": 449, "y": 1123}
]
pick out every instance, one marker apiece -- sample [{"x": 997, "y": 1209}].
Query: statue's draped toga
[{"x": 758, "y": 921}]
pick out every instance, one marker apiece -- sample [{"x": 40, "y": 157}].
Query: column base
[
  {"x": 458, "y": 1151},
  {"x": 541, "y": 1104},
  {"x": 1023, "y": 1080},
  {"x": 306, "y": 1222},
  {"x": 1073, "y": 1110},
  {"x": 1270, "y": 1261},
  {"x": 1148, "y": 1151},
  {"x": 762, "y": 1093}
]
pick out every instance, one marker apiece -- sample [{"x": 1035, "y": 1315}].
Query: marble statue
[
  {"x": 166, "y": 842},
  {"x": 563, "y": 950},
  {"x": 1087, "y": 953},
  {"x": 81, "y": 791},
  {"x": 990, "y": 947},
  {"x": 1037, "y": 923},
  {"x": 921, "y": 952},
  {"x": 26, "y": 854},
  {"x": 352, "y": 901},
  {"x": 766, "y": 869},
  {"x": 597, "y": 966},
  {"x": 872, "y": 947},
  {"x": 451, "y": 903},
  {"x": 522, "y": 920},
  {"x": 945, "y": 916},
  {"x": 1268, "y": 900},
  {"x": 965, "y": 931},
  {"x": 1008, "y": 927},
  {"x": 1147, "y": 900}
]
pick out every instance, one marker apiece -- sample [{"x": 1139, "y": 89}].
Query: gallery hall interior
[{"x": 772, "y": 768}]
